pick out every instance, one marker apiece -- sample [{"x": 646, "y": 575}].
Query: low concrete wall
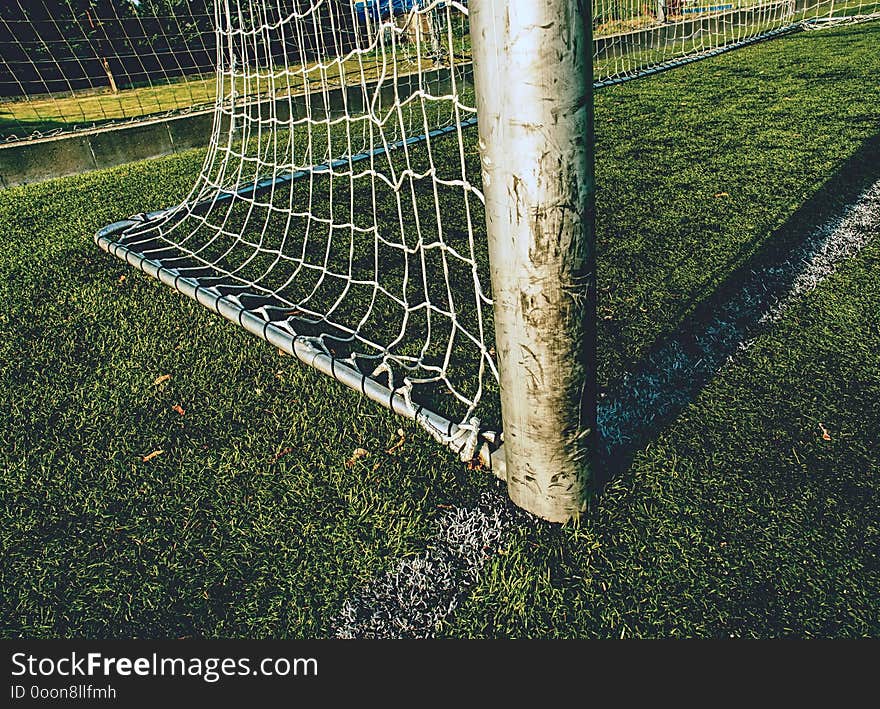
[{"x": 29, "y": 161}]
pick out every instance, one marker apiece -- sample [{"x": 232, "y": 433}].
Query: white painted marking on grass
[
  {"x": 419, "y": 593},
  {"x": 829, "y": 245},
  {"x": 673, "y": 374}
]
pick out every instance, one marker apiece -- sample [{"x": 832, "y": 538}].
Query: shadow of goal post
[{"x": 533, "y": 79}]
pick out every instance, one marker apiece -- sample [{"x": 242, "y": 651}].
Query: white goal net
[
  {"x": 339, "y": 212},
  {"x": 633, "y": 37}
]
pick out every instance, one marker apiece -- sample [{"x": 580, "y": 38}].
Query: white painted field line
[
  {"x": 675, "y": 373},
  {"x": 831, "y": 244},
  {"x": 419, "y": 593}
]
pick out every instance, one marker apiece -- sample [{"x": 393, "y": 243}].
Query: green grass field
[{"x": 737, "y": 517}]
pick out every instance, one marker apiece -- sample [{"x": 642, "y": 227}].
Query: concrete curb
[
  {"x": 28, "y": 161},
  {"x": 31, "y": 161}
]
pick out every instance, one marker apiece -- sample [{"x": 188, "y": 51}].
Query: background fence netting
[{"x": 74, "y": 64}]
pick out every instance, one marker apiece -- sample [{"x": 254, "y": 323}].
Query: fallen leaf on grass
[
  {"x": 122, "y": 279},
  {"x": 149, "y": 456},
  {"x": 399, "y": 444},
  {"x": 825, "y": 435},
  {"x": 356, "y": 456},
  {"x": 718, "y": 195},
  {"x": 280, "y": 454},
  {"x": 177, "y": 408},
  {"x": 161, "y": 380}
]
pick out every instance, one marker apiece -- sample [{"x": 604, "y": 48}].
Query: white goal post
[
  {"x": 536, "y": 149},
  {"x": 400, "y": 194}
]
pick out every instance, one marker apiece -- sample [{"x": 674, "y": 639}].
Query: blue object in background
[
  {"x": 382, "y": 9},
  {"x": 709, "y": 8}
]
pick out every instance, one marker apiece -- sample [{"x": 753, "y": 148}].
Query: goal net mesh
[
  {"x": 338, "y": 200},
  {"x": 339, "y": 208}
]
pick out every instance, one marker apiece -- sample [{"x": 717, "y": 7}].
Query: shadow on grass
[
  {"x": 678, "y": 366},
  {"x": 23, "y": 129},
  {"x": 20, "y": 130}
]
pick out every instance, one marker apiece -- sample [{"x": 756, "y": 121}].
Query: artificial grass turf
[
  {"x": 741, "y": 519},
  {"x": 98, "y": 542},
  {"x": 219, "y": 535}
]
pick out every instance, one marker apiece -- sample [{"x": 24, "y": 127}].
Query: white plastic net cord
[
  {"x": 336, "y": 214},
  {"x": 339, "y": 212},
  {"x": 633, "y": 37}
]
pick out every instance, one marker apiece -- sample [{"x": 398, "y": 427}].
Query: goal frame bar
[
  {"x": 460, "y": 440},
  {"x": 531, "y": 482},
  {"x": 545, "y": 449},
  {"x": 478, "y": 447}
]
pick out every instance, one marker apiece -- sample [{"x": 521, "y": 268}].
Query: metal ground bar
[{"x": 440, "y": 428}]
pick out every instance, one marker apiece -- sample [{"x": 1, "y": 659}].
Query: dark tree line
[
  {"x": 53, "y": 46},
  {"x": 49, "y": 46}
]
